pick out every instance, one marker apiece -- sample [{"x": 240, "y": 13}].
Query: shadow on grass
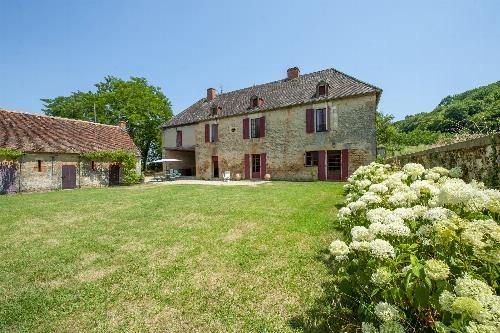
[{"x": 326, "y": 314}]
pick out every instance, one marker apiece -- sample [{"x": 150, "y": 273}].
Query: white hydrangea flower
[
  {"x": 378, "y": 188},
  {"x": 424, "y": 232},
  {"x": 344, "y": 213},
  {"x": 432, "y": 175},
  {"x": 377, "y": 228},
  {"x": 391, "y": 327},
  {"x": 466, "y": 286},
  {"x": 381, "y": 249},
  {"x": 407, "y": 214},
  {"x": 440, "y": 170},
  {"x": 406, "y": 269},
  {"x": 474, "y": 327},
  {"x": 382, "y": 215},
  {"x": 397, "y": 229},
  {"x": 339, "y": 248},
  {"x": 381, "y": 276},
  {"x": 423, "y": 186},
  {"x": 368, "y": 328},
  {"x": 446, "y": 300},
  {"x": 419, "y": 211},
  {"x": 370, "y": 197},
  {"x": 456, "y": 192},
  {"x": 438, "y": 214},
  {"x": 363, "y": 184},
  {"x": 386, "y": 312},
  {"x": 359, "y": 246},
  {"x": 479, "y": 232},
  {"x": 360, "y": 233},
  {"x": 493, "y": 204},
  {"x": 414, "y": 170},
  {"x": 357, "y": 205},
  {"x": 403, "y": 197},
  {"x": 436, "y": 269}
]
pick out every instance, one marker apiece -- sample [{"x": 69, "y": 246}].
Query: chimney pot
[
  {"x": 211, "y": 93},
  {"x": 293, "y": 73},
  {"x": 122, "y": 124}
]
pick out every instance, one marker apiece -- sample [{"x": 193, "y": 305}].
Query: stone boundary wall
[{"x": 479, "y": 158}]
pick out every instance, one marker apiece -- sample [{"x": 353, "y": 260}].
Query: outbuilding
[{"x": 52, "y": 152}]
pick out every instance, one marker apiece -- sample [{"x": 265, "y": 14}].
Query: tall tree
[{"x": 144, "y": 107}]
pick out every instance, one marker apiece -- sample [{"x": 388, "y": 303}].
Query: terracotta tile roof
[
  {"x": 277, "y": 94},
  {"x": 38, "y": 133}
]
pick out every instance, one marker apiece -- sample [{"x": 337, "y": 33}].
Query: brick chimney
[
  {"x": 211, "y": 93},
  {"x": 293, "y": 73},
  {"x": 122, "y": 124}
]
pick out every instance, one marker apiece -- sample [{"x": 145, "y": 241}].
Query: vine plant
[{"x": 124, "y": 158}]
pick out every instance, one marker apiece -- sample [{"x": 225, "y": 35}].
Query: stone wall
[
  {"x": 478, "y": 158},
  {"x": 351, "y": 122},
  {"x": 28, "y": 178}
]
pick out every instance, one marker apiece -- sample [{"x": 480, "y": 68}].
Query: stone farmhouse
[
  {"x": 51, "y": 149},
  {"x": 317, "y": 126}
]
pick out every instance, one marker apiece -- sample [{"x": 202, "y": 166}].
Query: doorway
[
  {"x": 256, "y": 165},
  {"x": 114, "y": 174},
  {"x": 68, "y": 176},
  {"x": 334, "y": 164},
  {"x": 215, "y": 166}
]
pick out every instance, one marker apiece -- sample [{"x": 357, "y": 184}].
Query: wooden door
[
  {"x": 334, "y": 165},
  {"x": 256, "y": 166},
  {"x": 114, "y": 174},
  {"x": 68, "y": 176},
  {"x": 215, "y": 164},
  {"x": 7, "y": 178}
]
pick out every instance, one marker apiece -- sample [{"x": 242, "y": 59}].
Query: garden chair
[{"x": 227, "y": 176}]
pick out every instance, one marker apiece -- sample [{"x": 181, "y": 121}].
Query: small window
[
  {"x": 39, "y": 165},
  {"x": 321, "y": 89},
  {"x": 255, "y": 163},
  {"x": 93, "y": 165},
  {"x": 255, "y": 102},
  {"x": 311, "y": 158},
  {"x": 255, "y": 128},
  {"x": 320, "y": 120},
  {"x": 178, "y": 139},
  {"x": 214, "y": 110}
]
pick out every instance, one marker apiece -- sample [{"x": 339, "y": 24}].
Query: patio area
[{"x": 193, "y": 181}]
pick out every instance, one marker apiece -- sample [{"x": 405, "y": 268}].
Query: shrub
[
  {"x": 126, "y": 159},
  {"x": 421, "y": 252}
]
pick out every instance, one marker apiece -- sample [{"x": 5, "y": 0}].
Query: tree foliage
[
  {"x": 144, "y": 107},
  {"x": 10, "y": 154},
  {"x": 474, "y": 111}
]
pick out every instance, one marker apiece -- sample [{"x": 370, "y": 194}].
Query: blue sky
[{"x": 416, "y": 51}]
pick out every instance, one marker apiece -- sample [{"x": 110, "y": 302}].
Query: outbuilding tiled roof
[
  {"x": 38, "y": 133},
  {"x": 277, "y": 94}
]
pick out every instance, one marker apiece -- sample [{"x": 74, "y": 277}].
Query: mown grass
[{"x": 177, "y": 258}]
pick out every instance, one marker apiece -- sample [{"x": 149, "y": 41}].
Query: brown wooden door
[
  {"x": 334, "y": 164},
  {"x": 68, "y": 176},
  {"x": 256, "y": 166},
  {"x": 114, "y": 174}
]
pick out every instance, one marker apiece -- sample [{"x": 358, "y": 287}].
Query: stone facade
[
  {"x": 351, "y": 123},
  {"x": 29, "y": 177},
  {"x": 478, "y": 158}
]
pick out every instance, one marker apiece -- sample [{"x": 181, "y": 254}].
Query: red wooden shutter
[
  {"x": 310, "y": 121},
  {"x": 207, "y": 133},
  {"x": 263, "y": 165},
  {"x": 344, "y": 168},
  {"x": 262, "y": 127},
  {"x": 246, "y": 128},
  {"x": 322, "y": 165},
  {"x": 216, "y": 132},
  {"x": 247, "y": 166}
]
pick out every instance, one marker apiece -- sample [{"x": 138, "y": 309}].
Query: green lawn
[{"x": 179, "y": 258}]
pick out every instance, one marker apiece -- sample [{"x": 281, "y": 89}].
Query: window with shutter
[
  {"x": 255, "y": 127},
  {"x": 320, "y": 120},
  {"x": 207, "y": 133},
  {"x": 246, "y": 128},
  {"x": 310, "y": 121}
]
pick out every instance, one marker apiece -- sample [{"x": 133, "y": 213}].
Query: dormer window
[
  {"x": 214, "y": 110},
  {"x": 322, "y": 89},
  {"x": 255, "y": 102}
]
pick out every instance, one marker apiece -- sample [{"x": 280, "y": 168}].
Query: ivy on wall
[
  {"x": 10, "y": 154},
  {"x": 124, "y": 158}
]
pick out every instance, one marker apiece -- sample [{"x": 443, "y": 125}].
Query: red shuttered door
[
  {"x": 262, "y": 127},
  {"x": 263, "y": 170},
  {"x": 207, "y": 133},
  {"x": 246, "y": 128},
  {"x": 344, "y": 171},
  {"x": 247, "y": 166},
  {"x": 322, "y": 165},
  {"x": 310, "y": 121}
]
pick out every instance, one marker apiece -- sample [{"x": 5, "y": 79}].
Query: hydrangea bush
[{"x": 421, "y": 251}]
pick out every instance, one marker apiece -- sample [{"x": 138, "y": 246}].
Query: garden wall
[{"x": 479, "y": 158}]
